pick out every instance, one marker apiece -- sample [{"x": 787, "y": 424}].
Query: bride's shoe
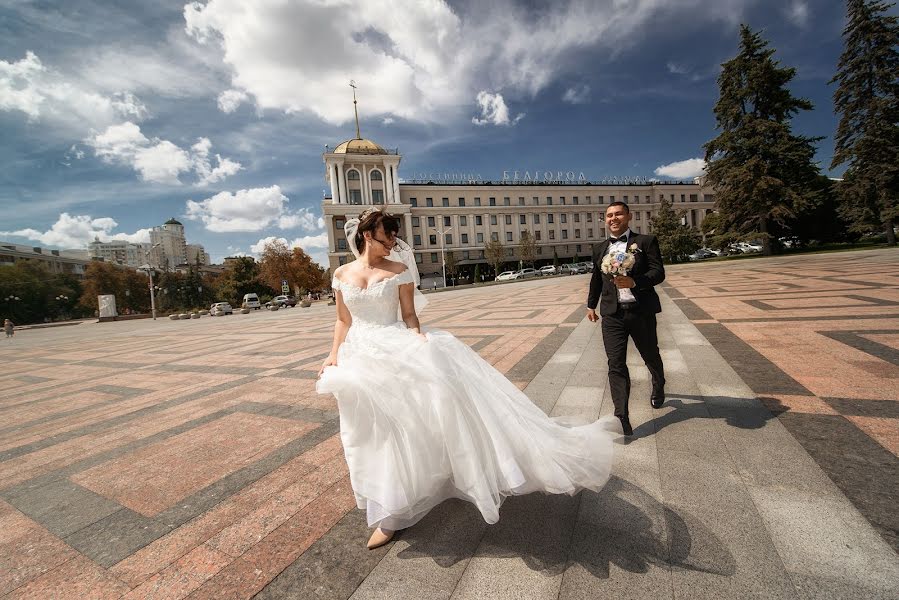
[{"x": 379, "y": 538}]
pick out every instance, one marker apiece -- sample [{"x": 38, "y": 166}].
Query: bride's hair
[{"x": 369, "y": 221}]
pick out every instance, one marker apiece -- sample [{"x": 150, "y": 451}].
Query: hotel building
[{"x": 459, "y": 213}]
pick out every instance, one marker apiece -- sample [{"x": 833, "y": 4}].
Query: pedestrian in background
[{"x": 9, "y": 327}]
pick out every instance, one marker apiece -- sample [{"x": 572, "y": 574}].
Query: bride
[{"x": 423, "y": 417}]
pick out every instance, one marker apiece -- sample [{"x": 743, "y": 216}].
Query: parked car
[
  {"x": 588, "y": 266},
  {"x": 220, "y": 309},
  {"x": 284, "y": 301},
  {"x": 547, "y": 270},
  {"x": 507, "y": 276},
  {"x": 573, "y": 269},
  {"x": 525, "y": 273},
  {"x": 251, "y": 301},
  {"x": 701, "y": 254}
]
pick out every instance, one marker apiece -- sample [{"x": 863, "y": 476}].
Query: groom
[{"x": 628, "y": 306}]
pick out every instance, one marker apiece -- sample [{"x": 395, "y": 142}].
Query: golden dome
[{"x": 359, "y": 146}]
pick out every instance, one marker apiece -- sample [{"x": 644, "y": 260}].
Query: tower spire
[{"x": 355, "y": 110}]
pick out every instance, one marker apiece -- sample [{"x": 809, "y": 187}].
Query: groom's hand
[
  {"x": 592, "y": 316},
  {"x": 623, "y": 281}
]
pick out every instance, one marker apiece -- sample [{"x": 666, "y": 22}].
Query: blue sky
[{"x": 116, "y": 115}]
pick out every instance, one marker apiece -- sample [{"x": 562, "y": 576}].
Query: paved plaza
[{"x": 193, "y": 459}]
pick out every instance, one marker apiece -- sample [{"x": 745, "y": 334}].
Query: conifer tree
[
  {"x": 867, "y": 100},
  {"x": 761, "y": 171},
  {"x": 676, "y": 239}
]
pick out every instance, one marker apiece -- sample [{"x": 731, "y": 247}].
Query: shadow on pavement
[
  {"x": 622, "y": 525},
  {"x": 743, "y": 413}
]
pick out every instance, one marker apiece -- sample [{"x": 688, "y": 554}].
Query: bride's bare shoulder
[{"x": 394, "y": 266}]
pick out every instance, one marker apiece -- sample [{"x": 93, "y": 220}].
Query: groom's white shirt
[{"x": 624, "y": 294}]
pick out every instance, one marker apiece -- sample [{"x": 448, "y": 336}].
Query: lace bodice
[{"x": 377, "y": 304}]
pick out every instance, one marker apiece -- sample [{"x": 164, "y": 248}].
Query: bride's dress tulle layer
[{"x": 426, "y": 420}]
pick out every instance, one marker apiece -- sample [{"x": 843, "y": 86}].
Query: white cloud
[
  {"x": 77, "y": 231},
  {"x": 252, "y": 209},
  {"x": 417, "y": 59},
  {"x": 578, "y": 94},
  {"x": 493, "y": 110},
  {"x": 684, "y": 169},
  {"x": 156, "y": 160},
  {"x": 677, "y": 69},
  {"x": 229, "y": 100},
  {"x": 388, "y": 121},
  {"x": 798, "y": 13},
  {"x": 41, "y": 93}
]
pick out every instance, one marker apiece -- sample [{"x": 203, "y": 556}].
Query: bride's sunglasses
[{"x": 391, "y": 239}]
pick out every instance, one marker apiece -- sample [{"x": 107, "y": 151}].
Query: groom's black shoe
[
  {"x": 657, "y": 400},
  {"x": 626, "y": 426}
]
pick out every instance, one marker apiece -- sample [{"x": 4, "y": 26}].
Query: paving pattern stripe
[{"x": 856, "y": 339}]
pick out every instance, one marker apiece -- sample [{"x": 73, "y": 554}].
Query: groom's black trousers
[{"x": 641, "y": 327}]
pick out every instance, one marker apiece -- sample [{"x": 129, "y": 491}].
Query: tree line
[{"x": 767, "y": 186}]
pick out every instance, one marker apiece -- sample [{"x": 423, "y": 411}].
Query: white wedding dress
[{"x": 426, "y": 420}]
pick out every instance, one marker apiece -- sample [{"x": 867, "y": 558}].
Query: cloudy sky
[{"x": 117, "y": 115}]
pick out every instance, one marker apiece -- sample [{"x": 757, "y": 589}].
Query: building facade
[
  {"x": 168, "y": 246},
  {"x": 196, "y": 254},
  {"x": 565, "y": 217},
  {"x": 55, "y": 260},
  {"x": 119, "y": 252}
]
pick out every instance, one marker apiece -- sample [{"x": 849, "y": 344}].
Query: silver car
[{"x": 220, "y": 309}]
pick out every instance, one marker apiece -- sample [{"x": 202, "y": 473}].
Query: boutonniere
[{"x": 633, "y": 248}]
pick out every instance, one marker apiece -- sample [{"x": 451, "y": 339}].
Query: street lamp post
[
  {"x": 149, "y": 270},
  {"x": 443, "y": 249}
]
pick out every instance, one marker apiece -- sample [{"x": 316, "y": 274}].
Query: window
[
  {"x": 477, "y": 201},
  {"x": 589, "y": 217},
  {"x": 466, "y": 255},
  {"x": 480, "y": 238},
  {"x": 540, "y": 250},
  {"x": 577, "y": 233},
  {"x": 506, "y": 201},
  {"x": 611, "y": 199},
  {"x": 355, "y": 196},
  {"x": 577, "y": 217},
  {"x": 446, "y": 221},
  {"x": 552, "y": 234},
  {"x": 444, "y": 202},
  {"x": 508, "y": 236},
  {"x": 578, "y": 249},
  {"x": 431, "y": 222},
  {"x": 536, "y": 219},
  {"x": 589, "y": 233},
  {"x": 376, "y": 176},
  {"x": 429, "y": 202},
  {"x": 352, "y": 175},
  {"x": 464, "y": 238},
  {"x": 418, "y": 258},
  {"x": 463, "y": 221},
  {"x": 416, "y": 239},
  {"x": 416, "y": 221},
  {"x": 549, "y": 200},
  {"x": 564, "y": 234},
  {"x": 521, "y": 201},
  {"x": 624, "y": 198},
  {"x": 599, "y": 200},
  {"x": 341, "y": 244},
  {"x": 550, "y": 219},
  {"x": 377, "y": 196},
  {"x": 461, "y": 201},
  {"x": 492, "y": 202},
  {"x": 339, "y": 223},
  {"x": 648, "y": 199},
  {"x": 694, "y": 198},
  {"x": 683, "y": 197},
  {"x": 574, "y": 200},
  {"x": 563, "y": 218},
  {"x": 522, "y": 233},
  {"x": 493, "y": 219},
  {"x": 433, "y": 257},
  {"x": 481, "y": 255},
  {"x": 478, "y": 220},
  {"x": 432, "y": 240},
  {"x": 413, "y": 201},
  {"x": 494, "y": 236},
  {"x": 341, "y": 260},
  {"x": 587, "y": 199},
  {"x": 661, "y": 197},
  {"x": 522, "y": 219},
  {"x": 448, "y": 239},
  {"x": 636, "y": 216},
  {"x": 535, "y": 200},
  {"x": 538, "y": 235},
  {"x": 562, "y": 200},
  {"x": 508, "y": 219}
]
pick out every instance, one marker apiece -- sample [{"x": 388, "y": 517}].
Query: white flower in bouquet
[{"x": 619, "y": 263}]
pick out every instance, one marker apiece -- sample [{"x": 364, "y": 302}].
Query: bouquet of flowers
[{"x": 619, "y": 263}]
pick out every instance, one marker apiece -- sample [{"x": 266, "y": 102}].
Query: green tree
[
  {"x": 867, "y": 100},
  {"x": 676, "y": 240},
  {"x": 31, "y": 293},
  {"x": 495, "y": 253},
  {"x": 477, "y": 273},
  {"x": 102, "y": 278},
  {"x": 528, "y": 248},
  {"x": 452, "y": 264},
  {"x": 760, "y": 170},
  {"x": 555, "y": 258}
]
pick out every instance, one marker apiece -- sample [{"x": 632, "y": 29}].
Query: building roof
[
  {"x": 359, "y": 146},
  {"x": 172, "y": 221}
]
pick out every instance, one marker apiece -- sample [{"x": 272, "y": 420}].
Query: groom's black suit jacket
[{"x": 647, "y": 272}]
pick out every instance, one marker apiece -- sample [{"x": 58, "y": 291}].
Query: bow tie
[{"x": 614, "y": 239}]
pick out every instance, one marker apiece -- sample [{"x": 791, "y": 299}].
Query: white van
[{"x": 251, "y": 301}]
